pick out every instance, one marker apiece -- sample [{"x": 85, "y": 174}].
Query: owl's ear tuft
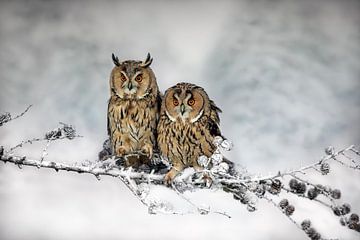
[
  {"x": 147, "y": 61},
  {"x": 115, "y": 60}
]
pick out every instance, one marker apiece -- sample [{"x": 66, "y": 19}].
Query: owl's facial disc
[
  {"x": 184, "y": 105},
  {"x": 183, "y": 109},
  {"x": 132, "y": 80}
]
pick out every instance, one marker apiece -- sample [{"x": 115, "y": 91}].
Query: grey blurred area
[{"x": 285, "y": 73}]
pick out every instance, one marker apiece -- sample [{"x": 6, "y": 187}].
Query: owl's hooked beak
[
  {"x": 182, "y": 109},
  {"x": 130, "y": 86}
]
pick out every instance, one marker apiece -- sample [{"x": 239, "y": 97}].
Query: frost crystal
[
  {"x": 252, "y": 186},
  {"x": 222, "y": 168},
  {"x": 226, "y": 145},
  {"x": 217, "y": 141},
  {"x": 216, "y": 158},
  {"x": 203, "y": 161},
  {"x": 330, "y": 150}
]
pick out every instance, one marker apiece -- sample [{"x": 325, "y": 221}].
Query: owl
[
  {"x": 133, "y": 108},
  {"x": 188, "y": 123}
]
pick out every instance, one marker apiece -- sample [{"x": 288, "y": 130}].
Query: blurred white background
[{"x": 285, "y": 73}]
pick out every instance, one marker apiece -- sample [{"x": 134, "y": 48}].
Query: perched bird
[
  {"x": 188, "y": 123},
  {"x": 133, "y": 108}
]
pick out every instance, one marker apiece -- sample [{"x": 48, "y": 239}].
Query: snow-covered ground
[{"x": 285, "y": 73}]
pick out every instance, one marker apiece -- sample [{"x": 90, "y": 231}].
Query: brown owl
[
  {"x": 133, "y": 109},
  {"x": 188, "y": 123}
]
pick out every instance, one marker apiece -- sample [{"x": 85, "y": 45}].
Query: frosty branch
[
  {"x": 6, "y": 117},
  {"x": 220, "y": 174}
]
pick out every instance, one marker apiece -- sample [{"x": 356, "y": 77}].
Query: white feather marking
[
  {"x": 170, "y": 117},
  {"x": 197, "y": 117},
  {"x": 130, "y": 92}
]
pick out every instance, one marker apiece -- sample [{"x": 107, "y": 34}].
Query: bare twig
[
  {"x": 31, "y": 141},
  {"x": 305, "y": 168},
  {"x": 4, "y": 118},
  {"x": 200, "y": 209}
]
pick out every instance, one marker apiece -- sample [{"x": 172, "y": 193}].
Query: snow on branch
[
  {"x": 91, "y": 169},
  {"x": 218, "y": 173}
]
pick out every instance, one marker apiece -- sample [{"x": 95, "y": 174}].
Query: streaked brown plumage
[
  {"x": 188, "y": 123},
  {"x": 133, "y": 108}
]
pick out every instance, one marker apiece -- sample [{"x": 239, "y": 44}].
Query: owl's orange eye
[
  {"x": 123, "y": 78},
  {"x": 191, "y": 102},
  {"x": 138, "y": 78},
  {"x": 176, "y": 102}
]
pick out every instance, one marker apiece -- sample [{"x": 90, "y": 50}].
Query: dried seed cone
[
  {"x": 354, "y": 226},
  {"x": 337, "y": 211},
  {"x": 283, "y": 203},
  {"x": 313, "y": 234},
  {"x": 306, "y": 224},
  {"x": 289, "y": 210},
  {"x": 312, "y": 193},
  {"x": 325, "y": 168},
  {"x": 293, "y": 184},
  {"x": 336, "y": 194},
  {"x": 346, "y": 208},
  {"x": 354, "y": 218},
  {"x": 301, "y": 188}
]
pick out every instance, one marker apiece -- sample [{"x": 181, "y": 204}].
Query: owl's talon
[
  {"x": 169, "y": 177},
  {"x": 120, "y": 151},
  {"x": 148, "y": 150}
]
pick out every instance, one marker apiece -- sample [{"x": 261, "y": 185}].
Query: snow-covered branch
[
  {"x": 217, "y": 173},
  {"x": 97, "y": 171}
]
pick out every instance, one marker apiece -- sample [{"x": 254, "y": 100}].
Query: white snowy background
[{"x": 285, "y": 73}]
